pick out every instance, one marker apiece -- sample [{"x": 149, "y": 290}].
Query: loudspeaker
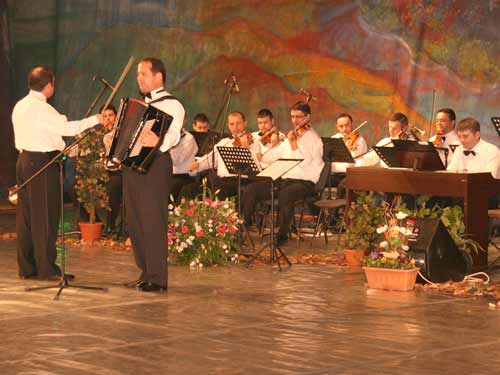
[{"x": 435, "y": 252}]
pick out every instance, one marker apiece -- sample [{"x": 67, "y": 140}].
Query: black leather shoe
[
  {"x": 150, "y": 287},
  {"x": 133, "y": 284}
]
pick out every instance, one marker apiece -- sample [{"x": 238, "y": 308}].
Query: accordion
[{"x": 133, "y": 118}]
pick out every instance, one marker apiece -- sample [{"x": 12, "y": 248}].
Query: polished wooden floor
[{"x": 309, "y": 319}]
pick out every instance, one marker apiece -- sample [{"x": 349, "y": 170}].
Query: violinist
[
  {"x": 303, "y": 142},
  {"x": 268, "y": 137},
  {"x": 240, "y": 137},
  {"x": 398, "y": 129},
  {"x": 354, "y": 142},
  {"x": 445, "y": 134}
]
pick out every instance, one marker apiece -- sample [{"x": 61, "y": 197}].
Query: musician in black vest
[
  {"x": 146, "y": 195},
  {"x": 38, "y": 132}
]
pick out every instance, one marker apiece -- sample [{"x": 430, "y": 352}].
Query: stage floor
[{"x": 309, "y": 319}]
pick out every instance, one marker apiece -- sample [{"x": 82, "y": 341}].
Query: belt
[{"x": 50, "y": 154}]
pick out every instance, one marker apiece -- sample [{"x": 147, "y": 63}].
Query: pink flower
[
  {"x": 199, "y": 233},
  {"x": 190, "y": 212},
  {"x": 184, "y": 229},
  {"x": 191, "y": 203},
  {"x": 233, "y": 230},
  {"x": 208, "y": 201}
]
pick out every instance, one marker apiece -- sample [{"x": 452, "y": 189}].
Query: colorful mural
[{"x": 369, "y": 58}]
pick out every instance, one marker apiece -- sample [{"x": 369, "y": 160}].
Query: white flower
[
  {"x": 390, "y": 254},
  {"x": 192, "y": 264},
  {"x": 403, "y": 231},
  {"x": 381, "y": 229},
  {"x": 384, "y": 244},
  {"x": 200, "y": 265},
  {"x": 226, "y": 252},
  {"x": 401, "y": 215},
  {"x": 191, "y": 238},
  {"x": 224, "y": 246},
  {"x": 170, "y": 206},
  {"x": 226, "y": 206},
  {"x": 405, "y": 247}
]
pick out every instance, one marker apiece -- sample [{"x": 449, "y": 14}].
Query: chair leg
[
  {"x": 316, "y": 226},
  {"x": 299, "y": 227},
  {"x": 339, "y": 230}
]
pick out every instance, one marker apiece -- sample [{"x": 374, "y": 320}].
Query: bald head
[{"x": 39, "y": 77}]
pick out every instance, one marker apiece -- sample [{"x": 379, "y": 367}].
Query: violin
[
  {"x": 268, "y": 135},
  {"x": 237, "y": 140},
  {"x": 350, "y": 140}
]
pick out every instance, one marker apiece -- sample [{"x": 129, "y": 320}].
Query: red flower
[
  {"x": 208, "y": 201},
  {"x": 233, "y": 230},
  {"x": 190, "y": 212},
  {"x": 184, "y": 229},
  {"x": 199, "y": 233}
]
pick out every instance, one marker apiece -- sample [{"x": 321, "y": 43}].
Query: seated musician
[
  {"x": 183, "y": 154},
  {"x": 201, "y": 123},
  {"x": 114, "y": 185},
  {"x": 445, "y": 134},
  {"x": 355, "y": 144},
  {"x": 224, "y": 181},
  {"x": 398, "y": 129},
  {"x": 475, "y": 154},
  {"x": 267, "y": 137},
  {"x": 303, "y": 142}
]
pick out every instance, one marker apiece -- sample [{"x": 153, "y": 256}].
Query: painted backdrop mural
[{"x": 370, "y": 58}]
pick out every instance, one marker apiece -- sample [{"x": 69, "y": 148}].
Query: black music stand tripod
[
  {"x": 272, "y": 173},
  {"x": 63, "y": 283},
  {"x": 241, "y": 162}
]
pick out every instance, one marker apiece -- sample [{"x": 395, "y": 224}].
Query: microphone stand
[
  {"x": 231, "y": 86},
  {"x": 63, "y": 283}
]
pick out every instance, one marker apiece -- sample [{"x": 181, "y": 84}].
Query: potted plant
[
  {"x": 363, "y": 217},
  {"x": 389, "y": 266},
  {"x": 90, "y": 183},
  {"x": 202, "y": 232}
]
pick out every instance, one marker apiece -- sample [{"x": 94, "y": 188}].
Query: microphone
[{"x": 106, "y": 83}]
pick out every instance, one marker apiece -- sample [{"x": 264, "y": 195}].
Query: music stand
[
  {"x": 242, "y": 162},
  {"x": 388, "y": 155},
  {"x": 418, "y": 155},
  {"x": 496, "y": 124},
  {"x": 335, "y": 151},
  {"x": 271, "y": 174},
  {"x": 453, "y": 147}
]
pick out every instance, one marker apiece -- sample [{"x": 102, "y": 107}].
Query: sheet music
[
  {"x": 138, "y": 146},
  {"x": 279, "y": 168}
]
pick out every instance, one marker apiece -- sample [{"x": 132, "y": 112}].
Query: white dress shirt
[
  {"x": 205, "y": 162},
  {"x": 175, "y": 109},
  {"x": 39, "y": 127},
  {"x": 310, "y": 148},
  {"x": 183, "y": 153},
  {"x": 450, "y": 138},
  {"x": 486, "y": 159},
  {"x": 371, "y": 159},
  {"x": 266, "y": 150},
  {"x": 361, "y": 148}
]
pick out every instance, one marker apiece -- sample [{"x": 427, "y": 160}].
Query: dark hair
[
  {"x": 301, "y": 106},
  {"x": 401, "y": 118},
  {"x": 156, "y": 66},
  {"x": 450, "y": 112},
  {"x": 264, "y": 112},
  {"x": 237, "y": 113},
  {"x": 344, "y": 115},
  {"x": 108, "y": 108},
  {"x": 469, "y": 123},
  {"x": 200, "y": 117},
  {"x": 39, "y": 77}
]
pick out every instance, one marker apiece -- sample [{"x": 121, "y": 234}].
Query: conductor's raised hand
[{"x": 148, "y": 138}]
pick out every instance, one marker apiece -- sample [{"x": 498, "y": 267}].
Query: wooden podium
[{"x": 474, "y": 188}]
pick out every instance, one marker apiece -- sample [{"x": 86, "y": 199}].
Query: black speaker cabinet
[{"x": 435, "y": 252}]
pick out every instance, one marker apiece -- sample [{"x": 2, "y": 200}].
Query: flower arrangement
[
  {"x": 91, "y": 176},
  {"x": 392, "y": 251},
  {"x": 202, "y": 232}
]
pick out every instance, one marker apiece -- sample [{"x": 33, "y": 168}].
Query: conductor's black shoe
[
  {"x": 133, "y": 284},
  {"x": 151, "y": 287}
]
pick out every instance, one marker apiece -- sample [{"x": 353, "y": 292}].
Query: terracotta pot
[
  {"x": 354, "y": 257},
  {"x": 90, "y": 231},
  {"x": 391, "y": 279}
]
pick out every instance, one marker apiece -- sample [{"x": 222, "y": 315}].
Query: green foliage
[
  {"x": 202, "y": 232},
  {"x": 363, "y": 218},
  {"x": 91, "y": 176}
]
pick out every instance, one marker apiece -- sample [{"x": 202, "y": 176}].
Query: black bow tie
[
  {"x": 443, "y": 139},
  {"x": 468, "y": 152}
]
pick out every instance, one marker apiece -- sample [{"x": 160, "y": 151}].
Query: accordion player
[{"x": 133, "y": 118}]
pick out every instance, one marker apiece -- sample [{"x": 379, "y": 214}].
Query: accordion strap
[{"x": 166, "y": 97}]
